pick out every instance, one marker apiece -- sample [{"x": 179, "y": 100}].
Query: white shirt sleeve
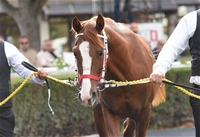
[
  {"x": 15, "y": 58},
  {"x": 176, "y": 43}
]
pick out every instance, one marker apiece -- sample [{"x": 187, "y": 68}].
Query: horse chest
[{"x": 120, "y": 102}]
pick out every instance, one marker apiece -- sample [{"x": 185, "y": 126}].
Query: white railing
[{"x": 68, "y": 70}]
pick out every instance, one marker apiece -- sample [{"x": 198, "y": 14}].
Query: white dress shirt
[
  {"x": 15, "y": 58},
  {"x": 176, "y": 44}
]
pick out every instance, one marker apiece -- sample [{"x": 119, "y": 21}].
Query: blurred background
[{"x": 51, "y": 19}]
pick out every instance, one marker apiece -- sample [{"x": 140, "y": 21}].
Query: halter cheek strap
[{"x": 100, "y": 78}]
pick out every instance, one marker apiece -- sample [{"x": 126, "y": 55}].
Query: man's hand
[
  {"x": 42, "y": 74},
  {"x": 157, "y": 77}
]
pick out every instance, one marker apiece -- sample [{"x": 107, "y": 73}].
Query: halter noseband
[{"x": 105, "y": 57}]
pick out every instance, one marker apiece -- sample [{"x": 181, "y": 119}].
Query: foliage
[
  {"x": 60, "y": 63},
  {"x": 72, "y": 119},
  {"x": 33, "y": 117},
  {"x": 58, "y": 27},
  {"x": 9, "y": 28},
  {"x": 176, "y": 110},
  {"x": 26, "y": 14}
]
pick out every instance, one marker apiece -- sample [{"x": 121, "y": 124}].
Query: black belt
[
  {"x": 196, "y": 86},
  {"x": 196, "y": 91}
]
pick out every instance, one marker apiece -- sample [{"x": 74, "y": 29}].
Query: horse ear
[
  {"x": 76, "y": 24},
  {"x": 99, "y": 23}
]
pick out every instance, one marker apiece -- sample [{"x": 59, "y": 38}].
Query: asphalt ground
[{"x": 172, "y": 132}]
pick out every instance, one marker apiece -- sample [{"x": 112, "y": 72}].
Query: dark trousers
[
  {"x": 195, "y": 104},
  {"x": 7, "y": 123}
]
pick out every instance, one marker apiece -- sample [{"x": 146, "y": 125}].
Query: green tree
[{"x": 26, "y": 16}]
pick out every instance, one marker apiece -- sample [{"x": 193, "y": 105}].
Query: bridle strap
[
  {"x": 101, "y": 78},
  {"x": 105, "y": 58},
  {"x": 88, "y": 76},
  {"x": 79, "y": 34}
]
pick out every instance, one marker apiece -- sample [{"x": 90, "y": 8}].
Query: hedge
[
  {"x": 33, "y": 117},
  {"x": 176, "y": 110}
]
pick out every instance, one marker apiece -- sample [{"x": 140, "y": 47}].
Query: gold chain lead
[{"x": 110, "y": 81}]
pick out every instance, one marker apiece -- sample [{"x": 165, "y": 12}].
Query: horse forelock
[{"x": 90, "y": 33}]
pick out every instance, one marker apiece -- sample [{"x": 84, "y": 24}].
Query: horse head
[{"x": 89, "y": 53}]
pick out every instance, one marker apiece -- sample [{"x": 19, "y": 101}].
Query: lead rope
[
  {"x": 29, "y": 66},
  {"x": 114, "y": 83},
  {"x": 49, "y": 97},
  {"x": 14, "y": 92}
]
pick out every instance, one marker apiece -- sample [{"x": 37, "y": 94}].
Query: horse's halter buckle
[{"x": 100, "y": 78}]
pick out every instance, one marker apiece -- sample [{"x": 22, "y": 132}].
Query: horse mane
[{"x": 89, "y": 31}]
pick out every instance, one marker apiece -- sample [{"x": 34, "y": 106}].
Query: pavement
[{"x": 172, "y": 132}]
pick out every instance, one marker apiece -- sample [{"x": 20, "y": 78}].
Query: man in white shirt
[
  {"x": 11, "y": 57},
  {"x": 187, "y": 32}
]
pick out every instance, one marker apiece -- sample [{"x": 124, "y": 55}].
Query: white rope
[{"x": 49, "y": 96}]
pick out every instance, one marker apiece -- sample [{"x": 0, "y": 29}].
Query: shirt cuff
[
  {"x": 38, "y": 81},
  {"x": 160, "y": 69}
]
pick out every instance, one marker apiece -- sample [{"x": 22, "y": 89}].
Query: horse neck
[
  {"x": 120, "y": 57},
  {"x": 119, "y": 41}
]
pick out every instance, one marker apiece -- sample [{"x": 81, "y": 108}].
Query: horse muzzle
[{"x": 88, "y": 99}]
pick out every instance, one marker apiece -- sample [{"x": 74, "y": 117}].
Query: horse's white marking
[{"x": 86, "y": 64}]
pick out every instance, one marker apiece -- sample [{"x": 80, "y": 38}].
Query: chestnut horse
[{"x": 106, "y": 50}]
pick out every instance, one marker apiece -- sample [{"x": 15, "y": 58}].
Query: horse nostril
[{"x": 93, "y": 95}]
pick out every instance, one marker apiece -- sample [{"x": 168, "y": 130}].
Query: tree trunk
[
  {"x": 27, "y": 18},
  {"x": 30, "y": 27}
]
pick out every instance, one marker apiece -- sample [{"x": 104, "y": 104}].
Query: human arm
[
  {"x": 176, "y": 44},
  {"x": 15, "y": 58}
]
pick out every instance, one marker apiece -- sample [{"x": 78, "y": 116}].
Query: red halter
[{"x": 88, "y": 76}]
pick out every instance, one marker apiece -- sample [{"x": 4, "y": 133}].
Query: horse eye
[{"x": 101, "y": 53}]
